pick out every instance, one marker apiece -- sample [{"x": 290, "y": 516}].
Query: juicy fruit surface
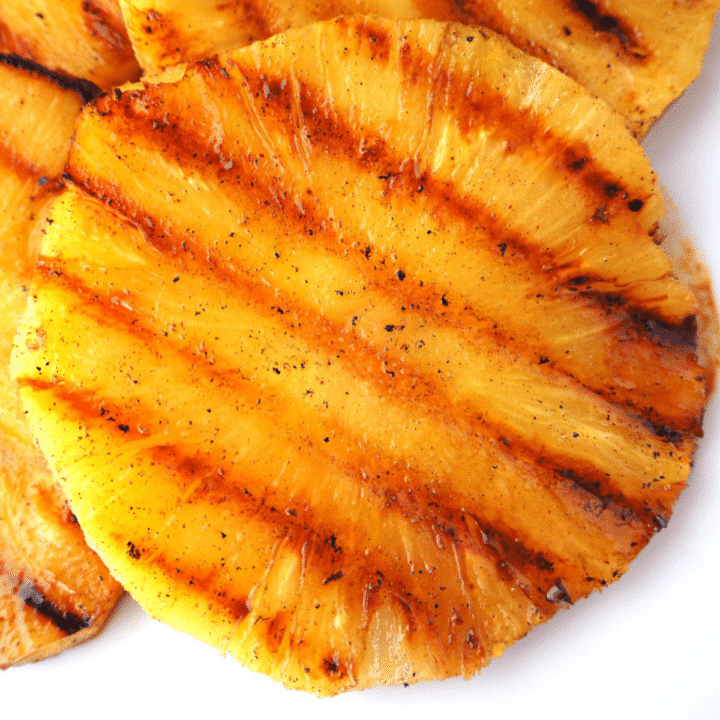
[
  {"x": 54, "y": 591},
  {"x": 355, "y": 351},
  {"x": 83, "y": 38},
  {"x": 637, "y": 56}
]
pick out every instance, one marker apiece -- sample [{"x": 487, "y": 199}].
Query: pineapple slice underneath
[
  {"x": 54, "y": 591},
  {"x": 83, "y": 38},
  {"x": 355, "y": 351},
  {"x": 638, "y": 56}
]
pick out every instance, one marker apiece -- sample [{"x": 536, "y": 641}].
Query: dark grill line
[
  {"x": 321, "y": 335},
  {"x": 109, "y": 313},
  {"x": 255, "y": 186},
  {"x": 86, "y": 89},
  {"x": 104, "y": 27},
  {"x": 23, "y": 168},
  {"x": 68, "y": 622},
  {"x": 615, "y": 30},
  {"x": 485, "y": 107},
  {"x": 297, "y": 528},
  {"x": 330, "y": 133}
]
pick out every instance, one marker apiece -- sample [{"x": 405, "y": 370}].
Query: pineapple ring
[{"x": 355, "y": 351}]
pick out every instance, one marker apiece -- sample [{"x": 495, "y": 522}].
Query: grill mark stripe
[
  {"x": 26, "y": 589},
  {"x": 481, "y": 107},
  {"x": 270, "y": 301},
  {"x": 375, "y": 154},
  {"x": 67, "y": 622},
  {"x": 615, "y": 30},
  {"x": 86, "y": 89},
  {"x": 108, "y": 314},
  {"x": 656, "y": 407},
  {"x": 256, "y": 505},
  {"x": 405, "y": 384},
  {"x": 299, "y": 526},
  {"x": 485, "y": 108},
  {"x": 106, "y": 27},
  {"x": 336, "y": 584},
  {"x": 610, "y": 202},
  {"x": 22, "y": 167},
  {"x": 376, "y": 158}
]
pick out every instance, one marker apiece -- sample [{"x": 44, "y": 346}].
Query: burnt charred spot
[
  {"x": 132, "y": 551},
  {"x": 665, "y": 432},
  {"x": 577, "y": 164},
  {"x": 682, "y": 335},
  {"x": 636, "y": 205},
  {"x": 600, "y": 215},
  {"x": 68, "y": 622},
  {"x": 331, "y": 578},
  {"x": 333, "y": 543},
  {"x": 332, "y": 668}
]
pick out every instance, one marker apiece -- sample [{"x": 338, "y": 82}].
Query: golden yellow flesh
[
  {"x": 54, "y": 591},
  {"x": 359, "y": 390},
  {"x": 637, "y": 56},
  {"x": 83, "y": 38}
]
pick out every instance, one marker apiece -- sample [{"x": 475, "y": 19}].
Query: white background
[{"x": 647, "y": 647}]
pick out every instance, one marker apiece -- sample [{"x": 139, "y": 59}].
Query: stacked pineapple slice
[
  {"x": 54, "y": 591},
  {"x": 637, "y": 56},
  {"x": 355, "y": 352},
  {"x": 80, "y": 38}
]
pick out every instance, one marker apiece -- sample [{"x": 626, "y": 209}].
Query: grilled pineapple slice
[
  {"x": 355, "y": 351},
  {"x": 54, "y": 591},
  {"x": 82, "y": 38},
  {"x": 637, "y": 56}
]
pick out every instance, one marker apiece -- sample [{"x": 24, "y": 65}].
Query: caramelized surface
[
  {"x": 356, "y": 353},
  {"x": 637, "y": 56},
  {"x": 54, "y": 591},
  {"x": 82, "y": 38}
]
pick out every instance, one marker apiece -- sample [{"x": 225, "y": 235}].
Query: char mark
[
  {"x": 684, "y": 335},
  {"x": 68, "y": 622},
  {"x": 86, "y": 89},
  {"x": 610, "y": 26}
]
